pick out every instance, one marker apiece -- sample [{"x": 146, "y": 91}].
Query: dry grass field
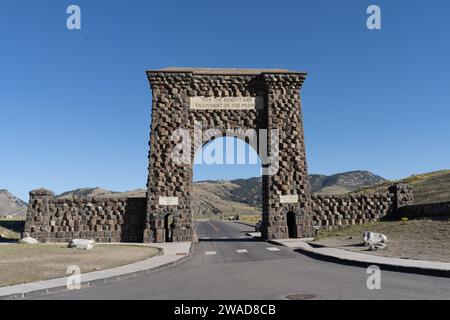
[
  {"x": 250, "y": 218},
  {"x": 21, "y": 263},
  {"x": 422, "y": 239}
]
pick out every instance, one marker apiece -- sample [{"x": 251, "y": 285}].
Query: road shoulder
[{"x": 433, "y": 268}]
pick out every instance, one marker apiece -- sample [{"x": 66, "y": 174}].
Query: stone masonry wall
[
  {"x": 429, "y": 210},
  {"x": 101, "y": 219},
  {"x": 336, "y": 211}
]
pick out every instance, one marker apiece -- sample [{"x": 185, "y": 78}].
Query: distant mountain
[
  {"x": 341, "y": 183},
  {"x": 86, "y": 192},
  {"x": 241, "y": 196},
  {"x": 427, "y": 187},
  {"x": 244, "y": 195},
  {"x": 11, "y": 205},
  {"x": 100, "y": 193}
]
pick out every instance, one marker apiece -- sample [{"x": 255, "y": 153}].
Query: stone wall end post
[
  {"x": 403, "y": 196},
  {"x": 38, "y": 206}
]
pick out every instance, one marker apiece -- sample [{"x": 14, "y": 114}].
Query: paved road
[{"x": 226, "y": 264}]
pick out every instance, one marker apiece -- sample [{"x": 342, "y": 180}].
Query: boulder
[
  {"x": 375, "y": 241},
  {"x": 376, "y": 246},
  {"x": 29, "y": 240},
  {"x": 82, "y": 244}
]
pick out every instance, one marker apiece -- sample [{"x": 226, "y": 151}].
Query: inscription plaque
[
  {"x": 289, "y": 198},
  {"x": 168, "y": 201},
  {"x": 226, "y": 103}
]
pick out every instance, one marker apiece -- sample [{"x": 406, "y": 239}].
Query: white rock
[
  {"x": 374, "y": 241},
  {"x": 85, "y": 246},
  {"x": 82, "y": 244},
  {"x": 376, "y": 246},
  {"x": 374, "y": 237},
  {"x": 29, "y": 240}
]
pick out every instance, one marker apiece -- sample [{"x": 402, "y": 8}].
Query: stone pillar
[
  {"x": 169, "y": 184},
  {"x": 403, "y": 196},
  {"x": 288, "y": 187},
  {"x": 38, "y": 214}
]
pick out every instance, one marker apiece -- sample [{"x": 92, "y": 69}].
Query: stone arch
[{"x": 224, "y": 99}]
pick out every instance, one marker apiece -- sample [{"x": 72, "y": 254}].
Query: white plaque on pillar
[
  {"x": 226, "y": 103},
  {"x": 168, "y": 201},
  {"x": 289, "y": 198}
]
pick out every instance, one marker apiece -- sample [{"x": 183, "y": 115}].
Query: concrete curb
[
  {"x": 59, "y": 285},
  {"x": 340, "y": 256}
]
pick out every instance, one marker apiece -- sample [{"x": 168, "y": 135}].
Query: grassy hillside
[
  {"x": 428, "y": 187},
  {"x": 219, "y": 198},
  {"x": 341, "y": 183},
  {"x": 11, "y": 205}
]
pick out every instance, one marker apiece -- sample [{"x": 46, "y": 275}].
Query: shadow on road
[{"x": 230, "y": 240}]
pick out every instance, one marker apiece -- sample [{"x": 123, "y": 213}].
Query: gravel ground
[
  {"x": 20, "y": 263},
  {"x": 422, "y": 239}
]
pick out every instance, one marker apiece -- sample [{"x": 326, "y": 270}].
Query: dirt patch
[
  {"x": 20, "y": 263},
  {"x": 423, "y": 239}
]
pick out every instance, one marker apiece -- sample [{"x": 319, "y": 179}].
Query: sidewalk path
[
  {"x": 171, "y": 254},
  {"x": 355, "y": 258}
]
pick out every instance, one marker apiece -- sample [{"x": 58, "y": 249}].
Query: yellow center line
[{"x": 215, "y": 228}]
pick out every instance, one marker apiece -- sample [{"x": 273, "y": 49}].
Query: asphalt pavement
[{"x": 228, "y": 264}]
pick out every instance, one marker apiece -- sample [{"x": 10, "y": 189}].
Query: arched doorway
[
  {"x": 168, "y": 226},
  {"x": 292, "y": 225}
]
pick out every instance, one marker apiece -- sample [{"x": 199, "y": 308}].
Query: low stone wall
[
  {"x": 103, "y": 219},
  {"x": 123, "y": 219},
  {"x": 336, "y": 211},
  {"x": 431, "y": 210},
  {"x": 330, "y": 212}
]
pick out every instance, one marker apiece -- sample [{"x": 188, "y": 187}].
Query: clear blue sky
[{"x": 75, "y": 105}]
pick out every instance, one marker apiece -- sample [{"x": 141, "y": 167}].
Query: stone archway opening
[
  {"x": 168, "y": 226},
  {"x": 227, "y": 182},
  {"x": 292, "y": 225}
]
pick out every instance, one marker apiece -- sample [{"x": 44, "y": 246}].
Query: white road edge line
[{"x": 241, "y": 251}]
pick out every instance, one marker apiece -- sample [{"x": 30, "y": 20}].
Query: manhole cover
[{"x": 300, "y": 296}]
